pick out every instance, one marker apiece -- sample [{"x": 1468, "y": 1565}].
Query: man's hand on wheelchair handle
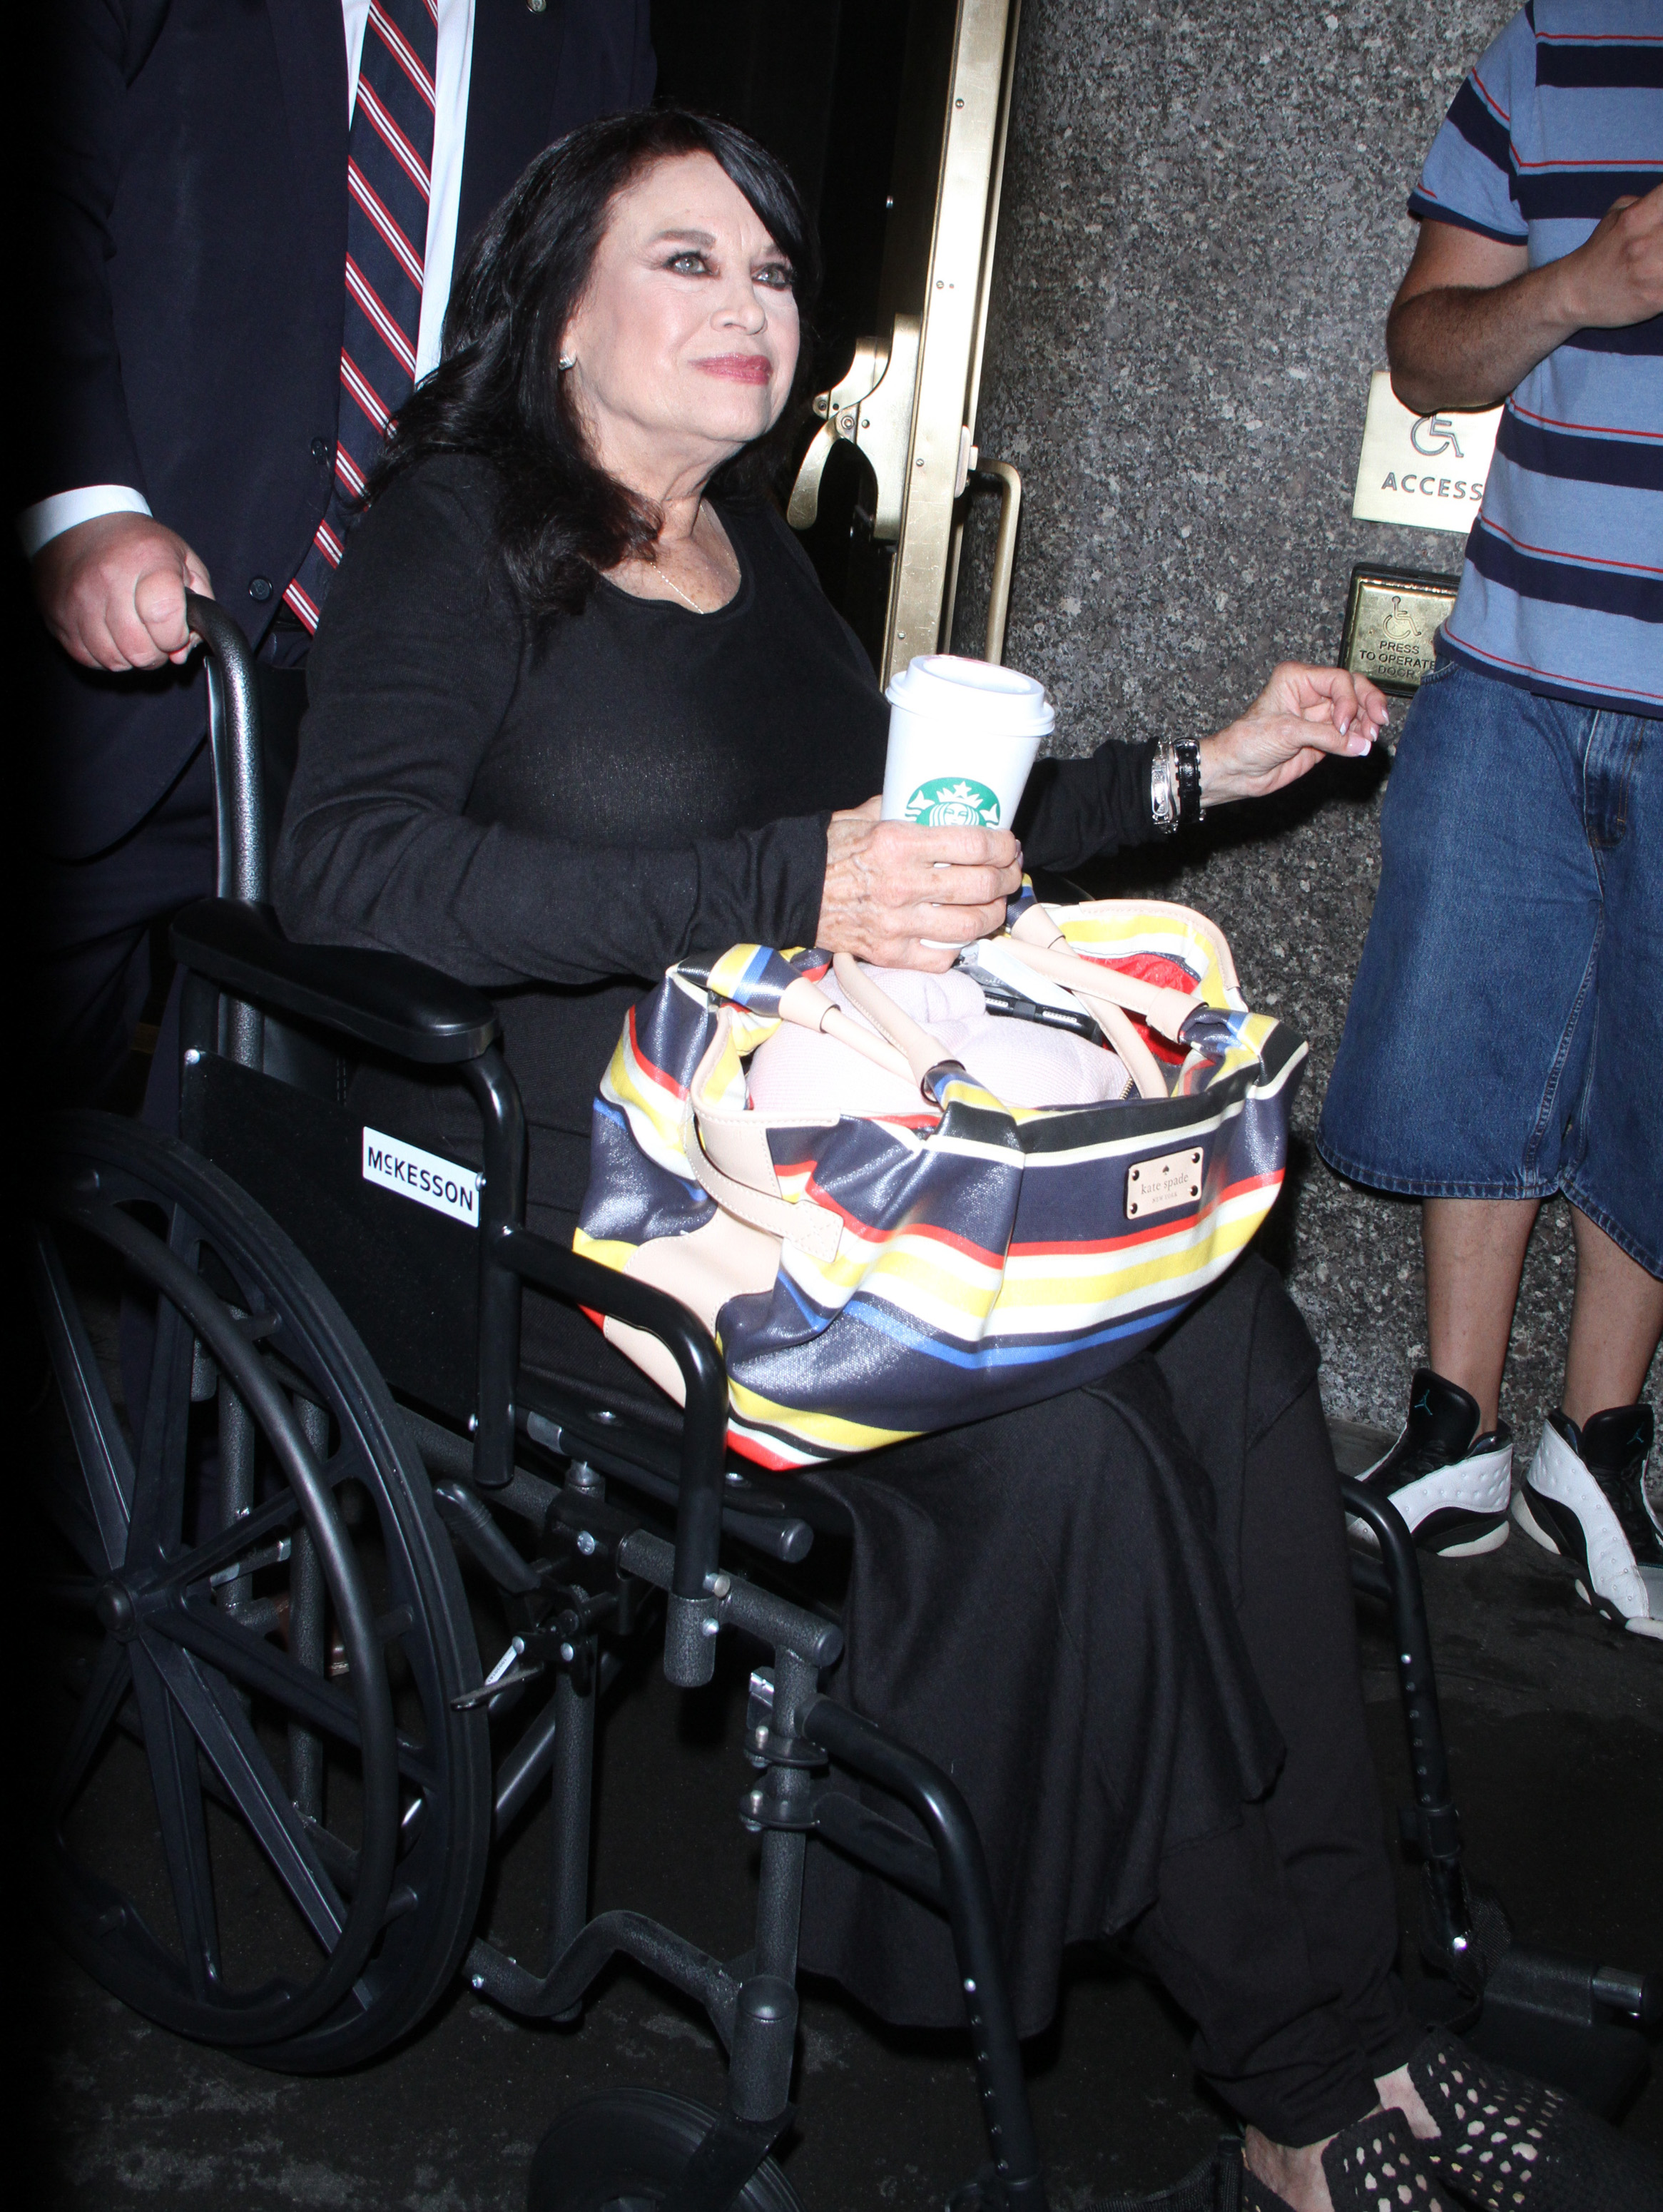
[
  {"x": 112, "y": 591},
  {"x": 1301, "y": 714},
  {"x": 891, "y": 887}
]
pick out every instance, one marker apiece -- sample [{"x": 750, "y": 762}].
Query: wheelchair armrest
[{"x": 379, "y": 999}]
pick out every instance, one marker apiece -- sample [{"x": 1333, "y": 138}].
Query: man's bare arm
[{"x": 1471, "y": 317}]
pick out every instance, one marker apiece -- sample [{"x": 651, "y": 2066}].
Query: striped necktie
[{"x": 389, "y": 159}]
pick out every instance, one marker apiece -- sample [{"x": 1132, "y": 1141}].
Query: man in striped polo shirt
[{"x": 1505, "y": 1035}]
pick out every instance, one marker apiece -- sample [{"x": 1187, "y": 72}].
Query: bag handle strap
[
  {"x": 1036, "y": 940},
  {"x": 1105, "y": 994},
  {"x": 812, "y": 1229},
  {"x": 923, "y": 1052},
  {"x": 807, "y": 1005},
  {"x": 741, "y": 1178},
  {"x": 906, "y": 1047},
  {"x": 752, "y": 1194},
  {"x": 918, "y": 1050}
]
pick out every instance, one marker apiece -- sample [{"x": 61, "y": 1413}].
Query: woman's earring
[{"x": 567, "y": 361}]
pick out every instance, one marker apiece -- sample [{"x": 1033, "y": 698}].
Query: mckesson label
[
  {"x": 424, "y": 1176},
  {"x": 1161, "y": 1186}
]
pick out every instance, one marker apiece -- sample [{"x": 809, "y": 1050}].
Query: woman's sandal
[
  {"x": 1373, "y": 2166},
  {"x": 1511, "y": 2145}
]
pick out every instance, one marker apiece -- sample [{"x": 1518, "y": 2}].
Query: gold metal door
[{"x": 907, "y": 401}]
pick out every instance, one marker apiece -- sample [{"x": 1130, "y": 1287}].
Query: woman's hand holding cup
[{"x": 903, "y": 895}]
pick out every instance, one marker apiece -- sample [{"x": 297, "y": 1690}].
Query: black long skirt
[{"x": 1047, "y": 1605}]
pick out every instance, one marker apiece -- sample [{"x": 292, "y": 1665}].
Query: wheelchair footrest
[
  {"x": 1560, "y": 2020},
  {"x": 534, "y": 1996},
  {"x": 1602, "y": 2066}
]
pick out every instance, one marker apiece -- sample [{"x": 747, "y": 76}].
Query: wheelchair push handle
[{"x": 234, "y": 735}]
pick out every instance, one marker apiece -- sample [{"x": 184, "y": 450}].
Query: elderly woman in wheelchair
[{"x": 578, "y": 708}]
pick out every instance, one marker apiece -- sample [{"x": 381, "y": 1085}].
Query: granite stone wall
[{"x": 1202, "y": 227}]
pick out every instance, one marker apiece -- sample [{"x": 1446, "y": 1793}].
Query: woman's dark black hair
[{"x": 498, "y": 391}]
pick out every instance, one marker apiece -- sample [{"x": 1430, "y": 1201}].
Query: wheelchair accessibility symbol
[
  {"x": 954, "y": 802},
  {"x": 1432, "y": 434}
]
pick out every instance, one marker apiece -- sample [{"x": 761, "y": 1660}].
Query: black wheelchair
[{"x": 276, "y": 1571}]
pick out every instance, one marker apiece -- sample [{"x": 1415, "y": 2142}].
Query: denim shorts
[{"x": 1505, "y": 1034}]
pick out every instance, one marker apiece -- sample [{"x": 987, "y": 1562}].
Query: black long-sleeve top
[{"x": 558, "y": 815}]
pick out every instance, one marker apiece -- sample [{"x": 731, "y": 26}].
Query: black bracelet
[{"x": 1187, "y": 752}]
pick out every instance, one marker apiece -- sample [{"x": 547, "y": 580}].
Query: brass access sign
[{"x": 1392, "y": 617}]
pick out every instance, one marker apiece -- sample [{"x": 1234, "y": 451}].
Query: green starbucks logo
[{"x": 954, "y": 802}]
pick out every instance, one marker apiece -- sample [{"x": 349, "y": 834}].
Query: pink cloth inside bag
[{"x": 800, "y": 1072}]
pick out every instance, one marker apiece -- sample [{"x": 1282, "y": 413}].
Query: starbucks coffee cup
[{"x": 962, "y": 737}]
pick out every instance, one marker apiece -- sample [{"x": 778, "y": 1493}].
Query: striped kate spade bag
[{"x": 878, "y": 1263}]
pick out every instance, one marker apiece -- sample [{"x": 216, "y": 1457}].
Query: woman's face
[{"x": 685, "y": 340}]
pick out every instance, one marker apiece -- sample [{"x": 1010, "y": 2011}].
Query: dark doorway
[
  {"x": 820, "y": 88},
  {"x": 833, "y": 92}
]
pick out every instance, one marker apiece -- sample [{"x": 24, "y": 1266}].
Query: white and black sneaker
[
  {"x": 1450, "y": 1484},
  {"x": 1585, "y": 1498}
]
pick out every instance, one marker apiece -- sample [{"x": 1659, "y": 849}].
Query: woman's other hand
[
  {"x": 1301, "y": 714},
  {"x": 887, "y": 890}
]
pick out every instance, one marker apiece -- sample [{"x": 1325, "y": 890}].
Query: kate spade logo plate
[{"x": 1159, "y": 1186}]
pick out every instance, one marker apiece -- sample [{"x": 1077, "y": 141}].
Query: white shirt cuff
[{"x": 37, "y": 525}]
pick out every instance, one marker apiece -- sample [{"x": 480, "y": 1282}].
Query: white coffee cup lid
[{"x": 978, "y": 693}]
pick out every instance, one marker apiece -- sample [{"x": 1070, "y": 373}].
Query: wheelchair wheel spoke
[
  {"x": 111, "y": 1679},
  {"x": 308, "y": 1647},
  {"x": 107, "y": 1465},
  {"x": 159, "y": 1507},
  {"x": 171, "y": 1748},
  {"x": 225, "y": 1733},
  {"x": 250, "y": 1660},
  {"x": 193, "y": 1567}
]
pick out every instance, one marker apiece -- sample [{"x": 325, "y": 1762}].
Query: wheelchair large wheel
[
  {"x": 621, "y": 2151},
  {"x": 268, "y": 1827}
]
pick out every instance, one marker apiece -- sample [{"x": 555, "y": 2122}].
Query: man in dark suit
[{"x": 208, "y": 390}]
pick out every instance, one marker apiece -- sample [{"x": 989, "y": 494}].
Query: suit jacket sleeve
[{"x": 89, "y": 52}]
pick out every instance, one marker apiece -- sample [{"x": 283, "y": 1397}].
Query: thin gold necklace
[{"x": 686, "y": 598}]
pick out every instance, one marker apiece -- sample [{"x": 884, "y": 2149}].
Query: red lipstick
[{"x": 738, "y": 368}]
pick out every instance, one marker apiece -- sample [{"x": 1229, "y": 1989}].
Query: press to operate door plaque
[{"x": 1159, "y": 1186}]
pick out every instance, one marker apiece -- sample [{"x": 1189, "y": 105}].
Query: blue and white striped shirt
[{"x": 1562, "y": 587}]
